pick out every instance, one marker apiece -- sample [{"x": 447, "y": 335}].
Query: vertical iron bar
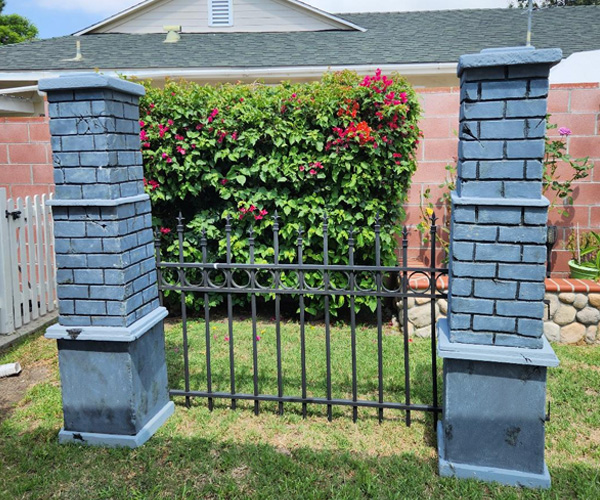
[
  {"x": 327, "y": 326},
  {"x": 253, "y": 307},
  {"x": 203, "y": 244},
  {"x": 405, "y": 321},
  {"x": 159, "y": 274},
  {"x": 302, "y": 327},
  {"x": 432, "y": 236},
  {"x": 182, "y": 281},
  {"x": 352, "y": 321},
  {"x": 379, "y": 316},
  {"x": 277, "y": 310},
  {"x": 230, "y": 312}
]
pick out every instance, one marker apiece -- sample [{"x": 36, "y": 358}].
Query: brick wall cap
[
  {"x": 89, "y": 202},
  {"x": 82, "y": 81},
  {"x": 108, "y": 333},
  {"x": 508, "y": 56},
  {"x": 504, "y": 202},
  {"x": 544, "y": 356}
]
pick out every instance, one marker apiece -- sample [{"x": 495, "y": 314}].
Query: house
[{"x": 274, "y": 40}]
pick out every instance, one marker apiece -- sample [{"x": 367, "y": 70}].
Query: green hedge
[{"x": 342, "y": 146}]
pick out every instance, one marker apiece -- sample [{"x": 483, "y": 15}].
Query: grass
[{"x": 235, "y": 454}]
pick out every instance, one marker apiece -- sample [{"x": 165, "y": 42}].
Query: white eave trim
[
  {"x": 145, "y": 3},
  {"x": 270, "y": 73}
]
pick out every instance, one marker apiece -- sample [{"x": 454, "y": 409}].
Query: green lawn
[{"x": 235, "y": 454}]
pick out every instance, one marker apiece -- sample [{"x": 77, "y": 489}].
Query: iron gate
[{"x": 210, "y": 278}]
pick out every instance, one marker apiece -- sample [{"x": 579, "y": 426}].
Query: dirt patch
[{"x": 13, "y": 389}]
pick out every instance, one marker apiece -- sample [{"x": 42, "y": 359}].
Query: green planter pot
[{"x": 582, "y": 272}]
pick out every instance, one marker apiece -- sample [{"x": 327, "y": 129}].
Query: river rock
[
  {"x": 564, "y": 315},
  {"x": 552, "y": 298},
  {"x": 594, "y": 299},
  {"x": 567, "y": 298},
  {"x": 552, "y": 331},
  {"x": 589, "y": 316},
  {"x": 420, "y": 316},
  {"x": 580, "y": 301},
  {"x": 573, "y": 333},
  {"x": 590, "y": 334}
]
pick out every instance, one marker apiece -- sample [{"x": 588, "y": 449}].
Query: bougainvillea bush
[{"x": 343, "y": 146}]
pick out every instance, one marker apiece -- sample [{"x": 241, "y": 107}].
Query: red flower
[
  {"x": 165, "y": 230},
  {"x": 312, "y": 171},
  {"x": 223, "y": 181}
]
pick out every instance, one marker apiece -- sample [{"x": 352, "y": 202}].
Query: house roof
[{"x": 390, "y": 38}]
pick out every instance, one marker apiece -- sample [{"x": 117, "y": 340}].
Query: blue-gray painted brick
[
  {"x": 530, "y": 327},
  {"x": 88, "y": 276},
  {"x": 77, "y": 143},
  {"x": 494, "y": 252},
  {"x": 526, "y": 108},
  {"x": 536, "y": 128},
  {"x": 523, "y": 189},
  {"x": 92, "y": 94},
  {"x": 95, "y": 125},
  {"x": 107, "y": 108},
  {"x": 460, "y": 321},
  {"x": 131, "y": 240},
  {"x": 481, "y": 189},
  {"x": 131, "y": 112},
  {"x": 529, "y": 71},
  {"x": 529, "y": 148},
  {"x": 72, "y": 292},
  {"x": 143, "y": 207},
  {"x": 506, "y": 89},
  {"x": 62, "y": 245},
  {"x": 86, "y": 245},
  {"x": 150, "y": 293},
  {"x": 141, "y": 283},
  {"x": 63, "y": 126},
  {"x": 534, "y": 215},
  {"x": 127, "y": 158},
  {"x": 102, "y": 229},
  {"x": 469, "y": 337},
  {"x": 107, "y": 292},
  {"x": 475, "y": 150},
  {"x": 481, "y": 110},
  {"x": 114, "y": 277},
  {"x": 60, "y": 95},
  {"x": 60, "y": 213},
  {"x": 132, "y": 272},
  {"x": 522, "y": 272},
  {"x": 135, "y": 173},
  {"x": 66, "y": 320},
  {"x": 71, "y": 261},
  {"x": 467, "y": 169},
  {"x": 97, "y": 191},
  {"x": 474, "y": 306},
  {"x": 511, "y": 340},
  {"x": 461, "y": 287},
  {"x": 502, "y": 129},
  {"x": 147, "y": 265},
  {"x": 493, "y": 324},
  {"x": 488, "y": 289},
  {"x": 116, "y": 308},
  {"x": 105, "y": 261},
  {"x": 132, "y": 142},
  {"x": 539, "y": 87},
  {"x": 501, "y": 170},
  {"x": 84, "y": 213},
  {"x": 472, "y": 232},
  {"x": 80, "y": 175},
  {"x": 131, "y": 189},
  {"x": 73, "y": 109},
  {"x": 133, "y": 302},
  {"x": 90, "y": 307},
  {"x": 56, "y": 144},
  {"x": 66, "y": 306},
  {"x": 499, "y": 215},
  {"x": 64, "y": 276},
  {"x": 126, "y": 211},
  {"x": 112, "y": 245},
  {"x": 144, "y": 237},
  {"x": 534, "y": 169},
  {"x": 520, "y": 308},
  {"x": 528, "y": 234},
  {"x": 65, "y": 159},
  {"x": 463, "y": 214},
  {"x": 473, "y": 270},
  {"x": 98, "y": 159},
  {"x": 108, "y": 321},
  {"x": 462, "y": 250},
  {"x": 125, "y": 126},
  {"x": 137, "y": 254},
  {"x": 535, "y": 254},
  {"x": 468, "y": 91},
  {"x": 532, "y": 291},
  {"x": 69, "y": 229},
  {"x": 485, "y": 73}
]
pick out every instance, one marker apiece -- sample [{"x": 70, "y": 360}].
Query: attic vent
[{"x": 220, "y": 13}]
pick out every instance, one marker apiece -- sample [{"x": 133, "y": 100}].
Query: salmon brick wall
[
  {"x": 575, "y": 106},
  {"x": 26, "y": 158}
]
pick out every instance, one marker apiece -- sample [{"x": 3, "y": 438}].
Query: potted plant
[{"x": 585, "y": 248}]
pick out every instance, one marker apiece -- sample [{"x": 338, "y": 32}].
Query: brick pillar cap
[
  {"x": 82, "y": 81},
  {"x": 509, "y": 56}
]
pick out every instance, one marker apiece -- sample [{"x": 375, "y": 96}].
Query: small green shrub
[{"x": 342, "y": 147}]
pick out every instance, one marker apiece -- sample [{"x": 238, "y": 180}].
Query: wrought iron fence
[{"x": 211, "y": 277}]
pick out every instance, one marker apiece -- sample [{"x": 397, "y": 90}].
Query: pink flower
[
  {"x": 241, "y": 99},
  {"x": 179, "y": 137},
  {"x": 226, "y": 339},
  {"x": 564, "y": 131},
  {"x": 263, "y": 212},
  {"x": 252, "y": 208},
  {"x": 152, "y": 105},
  {"x": 165, "y": 230},
  {"x": 199, "y": 126},
  {"x": 170, "y": 122},
  {"x": 181, "y": 151},
  {"x": 143, "y": 135},
  {"x": 223, "y": 181},
  {"x": 258, "y": 217},
  {"x": 312, "y": 171},
  {"x": 234, "y": 136},
  {"x": 165, "y": 155},
  {"x": 169, "y": 160},
  {"x": 146, "y": 144},
  {"x": 317, "y": 164},
  {"x": 397, "y": 155},
  {"x": 257, "y": 338},
  {"x": 173, "y": 93},
  {"x": 142, "y": 123},
  {"x": 302, "y": 169}
]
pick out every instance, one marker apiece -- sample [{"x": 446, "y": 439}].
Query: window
[{"x": 220, "y": 13}]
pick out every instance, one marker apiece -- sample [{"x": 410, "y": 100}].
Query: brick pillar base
[
  {"x": 495, "y": 354},
  {"x": 110, "y": 333}
]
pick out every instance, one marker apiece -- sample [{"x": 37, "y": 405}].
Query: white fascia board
[
  {"x": 118, "y": 15},
  {"x": 323, "y": 13},
  {"x": 277, "y": 73},
  {"x": 16, "y": 105}
]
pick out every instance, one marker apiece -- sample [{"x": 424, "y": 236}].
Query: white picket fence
[{"x": 27, "y": 264}]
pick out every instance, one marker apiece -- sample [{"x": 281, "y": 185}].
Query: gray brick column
[
  {"x": 495, "y": 355},
  {"x": 110, "y": 332}
]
